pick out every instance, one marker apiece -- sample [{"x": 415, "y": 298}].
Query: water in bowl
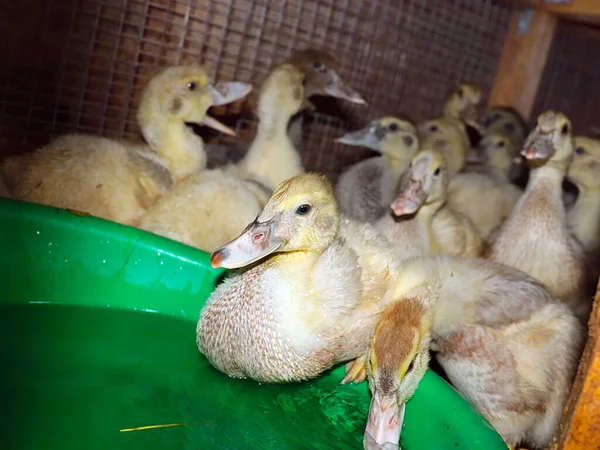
[{"x": 74, "y": 376}]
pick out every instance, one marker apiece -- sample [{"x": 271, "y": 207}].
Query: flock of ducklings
[{"x": 434, "y": 246}]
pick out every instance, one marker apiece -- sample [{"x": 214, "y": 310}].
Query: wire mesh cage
[
  {"x": 570, "y": 79},
  {"x": 80, "y": 65}
]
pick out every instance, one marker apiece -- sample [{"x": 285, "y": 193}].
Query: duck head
[
  {"x": 584, "y": 170},
  {"x": 321, "y": 72},
  {"x": 184, "y": 94},
  {"x": 397, "y": 360},
  {"x": 389, "y": 136},
  {"x": 504, "y": 120},
  {"x": 301, "y": 216},
  {"x": 425, "y": 183},
  {"x": 463, "y": 103},
  {"x": 550, "y": 140},
  {"x": 497, "y": 150}
]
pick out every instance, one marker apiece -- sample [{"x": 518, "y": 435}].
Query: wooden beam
[
  {"x": 578, "y": 10},
  {"x": 523, "y": 60},
  {"x": 580, "y": 424}
]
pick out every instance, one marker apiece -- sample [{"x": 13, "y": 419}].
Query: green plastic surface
[{"x": 98, "y": 334}]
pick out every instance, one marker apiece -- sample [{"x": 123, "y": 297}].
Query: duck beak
[
  {"x": 384, "y": 424},
  {"x": 365, "y": 137},
  {"x": 338, "y": 89},
  {"x": 471, "y": 116},
  {"x": 410, "y": 199},
  {"x": 255, "y": 242},
  {"x": 215, "y": 124},
  {"x": 539, "y": 147}
]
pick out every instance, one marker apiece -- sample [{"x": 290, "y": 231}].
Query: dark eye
[
  {"x": 433, "y": 128},
  {"x": 460, "y": 93},
  {"x": 437, "y": 172},
  {"x": 408, "y": 140},
  {"x": 509, "y": 127},
  {"x": 564, "y": 129},
  {"x": 393, "y": 126},
  {"x": 191, "y": 85},
  {"x": 303, "y": 210},
  {"x": 320, "y": 66},
  {"x": 410, "y": 366},
  {"x": 580, "y": 150},
  {"x": 501, "y": 144}
]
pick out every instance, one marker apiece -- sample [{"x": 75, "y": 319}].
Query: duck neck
[
  {"x": 272, "y": 157},
  {"x": 426, "y": 215},
  {"x": 177, "y": 145},
  {"x": 584, "y": 217},
  {"x": 550, "y": 176}
]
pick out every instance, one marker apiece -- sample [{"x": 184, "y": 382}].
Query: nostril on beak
[
  {"x": 217, "y": 258},
  {"x": 258, "y": 237}
]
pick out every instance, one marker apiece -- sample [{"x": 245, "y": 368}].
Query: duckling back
[{"x": 106, "y": 178}]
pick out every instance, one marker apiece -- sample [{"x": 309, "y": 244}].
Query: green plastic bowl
[{"x": 98, "y": 335}]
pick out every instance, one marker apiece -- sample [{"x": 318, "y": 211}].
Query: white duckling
[
  {"x": 505, "y": 343},
  {"x": 366, "y": 189},
  {"x": 536, "y": 238}
]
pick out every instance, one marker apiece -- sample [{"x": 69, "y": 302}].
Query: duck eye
[
  {"x": 191, "y": 85},
  {"x": 580, "y": 150},
  {"x": 437, "y": 172},
  {"x": 410, "y": 366},
  {"x": 564, "y": 129},
  {"x": 303, "y": 210},
  {"x": 433, "y": 128},
  {"x": 393, "y": 126},
  {"x": 460, "y": 93},
  {"x": 509, "y": 127},
  {"x": 320, "y": 66},
  {"x": 501, "y": 144}
]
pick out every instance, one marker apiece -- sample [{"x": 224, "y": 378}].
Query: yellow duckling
[
  {"x": 424, "y": 223},
  {"x": 509, "y": 122},
  {"x": 312, "y": 298},
  {"x": 448, "y": 135},
  {"x": 463, "y": 104},
  {"x": 272, "y": 157},
  {"x": 214, "y": 206},
  {"x": 504, "y": 342},
  {"x": 366, "y": 189},
  {"x": 118, "y": 180},
  {"x": 536, "y": 238},
  {"x": 487, "y": 198},
  {"x": 584, "y": 216}
]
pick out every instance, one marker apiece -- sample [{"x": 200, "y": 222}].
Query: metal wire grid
[
  {"x": 570, "y": 79},
  {"x": 80, "y": 65}
]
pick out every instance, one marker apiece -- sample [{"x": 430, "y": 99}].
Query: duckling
[
  {"x": 366, "y": 189},
  {"x": 118, "y": 180},
  {"x": 449, "y": 135},
  {"x": 463, "y": 104},
  {"x": 535, "y": 238},
  {"x": 213, "y": 207},
  {"x": 424, "y": 224},
  {"x": 505, "y": 343},
  {"x": 487, "y": 197},
  {"x": 509, "y": 122},
  {"x": 584, "y": 217},
  {"x": 311, "y": 298},
  {"x": 272, "y": 157}
]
